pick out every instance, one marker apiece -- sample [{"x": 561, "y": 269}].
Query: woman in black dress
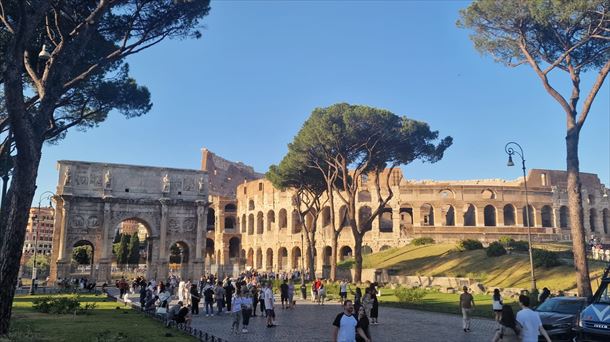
[{"x": 363, "y": 322}]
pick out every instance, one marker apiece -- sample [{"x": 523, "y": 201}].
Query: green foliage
[
  {"x": 133, "y": 255},
  {"x": 519, "y": 245},
  {"x": 123, "y": 250},
  {"x": 57, "y": 304},
  {"x": 43, "y": 264},
  {"x": 544, "y": 258},
  {"x": 495, "y": 249},
  {"x": 410, "y": 295},
  {"x": 82, "y": 254},
  {"x": 469, "y": 245},
  {"x": 506, "y": 240},
  {"x": 422, "y": 241}
]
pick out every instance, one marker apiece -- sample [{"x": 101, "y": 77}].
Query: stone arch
[
  {"x": 590, "y": 199},
  {"x": 427, "y": 214},
  {"x": 270, "y": 220},
  {"x": 325, "y": 216},
  {"x": 211, "y": 219},
  {"x": 547, "y": 216},
  {"x": 209, "y": 249},
  {"x": 244, "y": 224},
  {"x": 489, "y": 216},
  {"x": 406, "y": 216},
  {"x": 283, "y": 219},
  {"x": 250, "y": 258},
  {"x": 449, "y": 215},
  {"x": 531, "y": 218},
  {"x": 384, "y": 248},
  {"x": 84, "y": 268},
  {"x": 309, "y": 218},
  {"x": 296, "y": 258},
  {"x": 234, "y": 249},
  {"x": 470, "y": 215},
  {"x": 364, "y": 196},
  {"x": 343, "y": 219},
  {"x": 327, "y": 254},
  {"x": 364, "y": 214},
  {"x": 297, "y": 226},
  {"x": 229, "y": 222},
  {"x": 366, "y": 249},
  {"x": 282, "y": 258},
  {"x": 446, "y": 194},
  {"x": 259, "y": 258},
  {"x": 488, "y": 194},
  {"x": 250, "y": 224},
  {"x": 564, "y": 217},
  {"x": 251, "y": 205},
  {"x": 269, "y": 259},
  {"x": 230, "y": 208},
  {"x": 509, "y": 215},
  {"x": 345, "y": 252},
  {"x": 179, "y": 258},
  {"x": 592, "y": 219},
  {"x": 260, "y": 224},
  {"x": 386, "y": 222}
]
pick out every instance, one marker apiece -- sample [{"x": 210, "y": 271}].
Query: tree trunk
[
  {"x": 12, "y": 234},
  {"x": 333, "y": 259},
  {"x": 311, "y": 241},
  {"x": 358, "y": 257},
  {"x": 583, "y": 283}
]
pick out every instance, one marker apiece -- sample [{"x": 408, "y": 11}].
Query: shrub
[
  {"x": 422, "y": 241},
  {"x": 520, "y": 245},
  {"x": 506, "y": 241},
  {"x": 544, "y": 258},
  {"x": 412, "y": 296},
  {"x": 495, "y": 249},
  {"x": 469, "y": 245},
  {"x": 57, "y": 305}
]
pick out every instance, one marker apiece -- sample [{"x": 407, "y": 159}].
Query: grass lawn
[
  {"x": 503, "y": 272},
  {"x": 104, "y": 323}
]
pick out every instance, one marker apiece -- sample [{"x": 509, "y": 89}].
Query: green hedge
[
  {"x": 495, "y": 249},
  {"x": 544, "y": 258},
  {"x": 422, "y": 241},
  {"x": 469, "y": 245},
  {"x": 412, "y": 296}
]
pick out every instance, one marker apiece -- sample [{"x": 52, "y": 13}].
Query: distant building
[{"x": 40, "y": 223}]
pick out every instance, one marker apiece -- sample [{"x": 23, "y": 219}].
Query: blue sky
[{"x": 244, "y": 90}]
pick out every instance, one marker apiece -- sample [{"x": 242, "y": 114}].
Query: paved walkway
[{"x": 312, "y": 322}]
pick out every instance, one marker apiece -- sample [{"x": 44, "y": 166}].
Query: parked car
[
  {"x": 595, "y": 319},
  {"x": 559, "y": 316}
]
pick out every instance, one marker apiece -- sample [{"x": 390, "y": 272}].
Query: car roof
[{"x": 571, "y": 299}]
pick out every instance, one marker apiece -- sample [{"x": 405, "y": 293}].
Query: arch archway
[
  {"x": 209, "y": 251},
  {"x": 259, "y": 258},
  {"x": 327, "y": 256},
  {"x": 234, "y": 248},
  {"x": 531, "y": 218},
  {"x": 282, "y": 258},
  {"x": 229, "y": 222},
  {"x": 270, "y": 220},
  {"x": 449, "y": 213},
  {"x": 297, "y": 225},
  {"x": 211, "y": 219},
  {"x": 592, "y": 219},
  {"x": 366, "y": 250},
  {"x": 82, "y": 256},
  {"x": 250, "y": 258},
  {"x": 345, "y": 252},
  {"x": 509, "y": 215},
  {"x": 251, "y": 224},
  {"x": 470, "y": 215},
  {"x": 133, "y": 246},
  {"x": 564, "y": 217},
  {"x": 489, "y": 213},
  {"x": 283, "y": 219},
  {"x": 386, "y": 222},
  {"x": 364, "y": 214},
  {"x": 269, "y": 259},
  {"x": 230, "y": 208},
  {"x": 244, "y": 224},
  {"x": 260, "y": 228},
  {"x": 547, "y": 216},
  {"x": 296, "y": 258},
  {"x": 364, "y": 196},
  {"x": 179, "y": 259},
  {"x": 384, "y": 248},
  {"x": 427, "y": 215}
]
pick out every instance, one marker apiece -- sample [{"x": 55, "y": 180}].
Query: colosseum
[{"x": 252, "y": 223}]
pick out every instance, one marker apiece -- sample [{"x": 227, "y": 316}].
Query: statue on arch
[
  {"x": 165, "y": 183},
  {"x": 107, "y": 179},
  {"x": 68, "y": 176}
]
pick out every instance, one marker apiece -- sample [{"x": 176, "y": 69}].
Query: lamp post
[
  {"x": 511, "y": 149},
  {"x": 49, "y": 194}
]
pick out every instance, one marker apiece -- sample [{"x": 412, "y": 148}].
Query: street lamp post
[
  {"x": 34, "y": 269},
  {"x": 511, "y": 149}
]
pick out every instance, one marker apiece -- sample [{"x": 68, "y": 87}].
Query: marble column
[
  {"x": 104, "y": 268},
  {"x": 162, "y": 263},
  {"x": 202, "y": 223}
]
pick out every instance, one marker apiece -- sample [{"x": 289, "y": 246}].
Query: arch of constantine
[
  {"x": 92, "y": 199},
  {"x": 231, "y": 217}
]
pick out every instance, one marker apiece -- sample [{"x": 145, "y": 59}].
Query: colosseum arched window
[
  {"x": 260, "y": 227},
  {"x": 250, "y": 224},
  {"x": 592, "y": 219},
  {"x": 531, "y": 217},
  {"x": 427, "y": 215},
  {"x": 386, "y": 223},
  {"x": 547, "y": 216},
  {"x": 470, "y": 215},
  {"x": 283, "y": 219},
  {"x": 564, "y": 216},
  {"x": 364, "y": 196},
  {"x": 364, "y": 214},
  {"x": 489, "y": 213},
  {"x": 449, "y": 215},
  {"x": 270, "y": 220}
]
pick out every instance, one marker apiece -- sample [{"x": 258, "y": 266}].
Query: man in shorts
[{"x": 268, "y": 297}]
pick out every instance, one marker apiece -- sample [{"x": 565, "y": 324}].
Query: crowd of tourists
[{"x": 526, "y": 326}]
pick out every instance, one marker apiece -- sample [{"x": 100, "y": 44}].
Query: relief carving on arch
[
  {"x": 77, "y": 222},
  {"x": 93, "y": 222},
  {"x": 173, "y": 225},
  {"x": 189, "y": 224}
]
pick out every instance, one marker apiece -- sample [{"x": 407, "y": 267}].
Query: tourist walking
[
  {"x": 346, "y": 325},
  {"x": 367, "y": 301},
  {"x": 261, "y": 300},
  {"x": 544, "y": 295},
  {"x": 303, "y": 290},
  {"x": 321, "y": 294},
  {"x": 291, "y": 301},
  {"x": 343, "y": 290},
  {"x": 229, "y": 290},
  {"x": 284, "y": 294},
  {"x": 530, "y": 322},
  {"x": 269, "y": 309},
  {"x": 467, "y": 305},
  {"x": 181, "y": 291},
  {"x": 363, "y": 323},
  {"x": 506, "y": 330},
  {"x": 496, "y": 304},
  {"x": 236, "y": 313},
  {"x": 374, "y": 304},
  {"x": 357, "y": 299},
  {"x": 219, "y": 296},
  {"x": 195, "y": 298},
  {"x": 208, "y": 297},
  {"x": 254, "y": 297},
  {"x": 246, "y": 309}
]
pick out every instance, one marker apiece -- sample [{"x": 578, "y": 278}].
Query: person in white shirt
[
  {"x": 496, "y": 304},
  {"x": 268, "y": 298},
  {"x": 530, "y": 322},
  {"x": 346, "y": 325},
  {"x": 236, "y": 312}
]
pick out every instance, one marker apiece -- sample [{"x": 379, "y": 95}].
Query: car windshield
[
  {"x": 560, "y": 306},
  {"x": 604, "y": 296}
]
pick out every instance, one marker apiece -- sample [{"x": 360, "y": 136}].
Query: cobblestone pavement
[{"x": 312, "y": 322}]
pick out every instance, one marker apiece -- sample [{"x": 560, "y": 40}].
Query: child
[{"x": 236, "y": 312}]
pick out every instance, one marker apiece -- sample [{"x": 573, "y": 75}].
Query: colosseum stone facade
[{"x": 257, "y": 225}]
